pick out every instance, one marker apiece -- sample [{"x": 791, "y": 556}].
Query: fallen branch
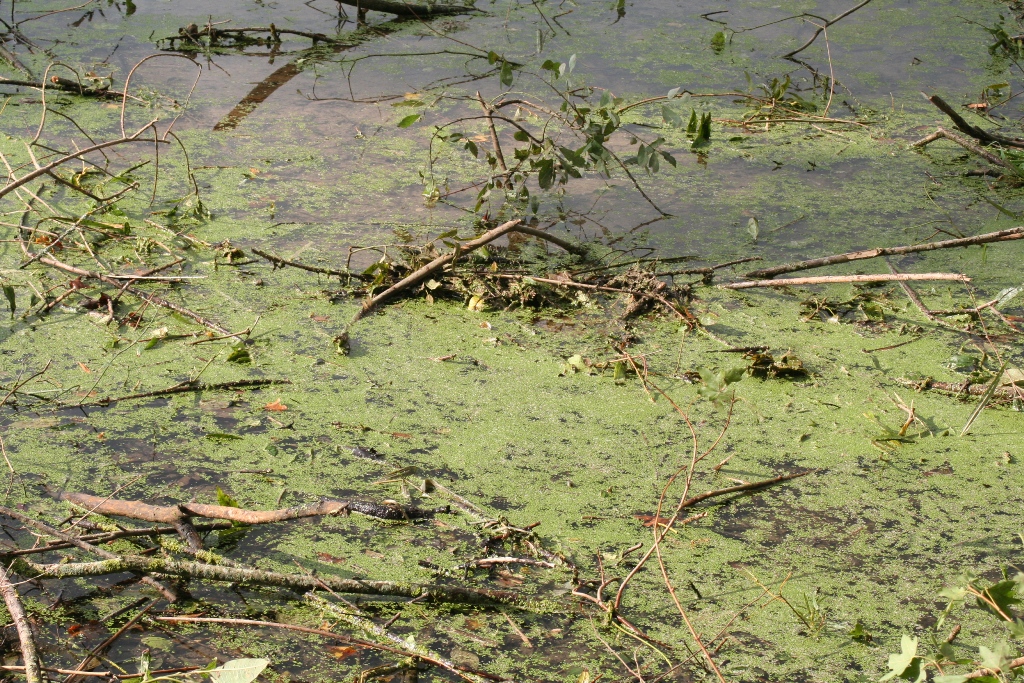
[
  {"x": 969, "y": 146},
  {"x": 88, "y": 547},
  {"x": 259, "y": 577},
  {"x": 65, "y": 85},
  {"x": 962, "y": 388},
  {"x": 689, "y": 502},
  {"x": 281, "y": 263},
  {"x": 171, "y": 514},
  {"x": 998, "y": 236},
  {"x": 194, "y": 385},
  {"x": 193, "y": 33},
  {"x": 435, "y": 265},
  {"x": 973, "y": 131},
  {"x": 404, "y": 9},
  {"x": 111, "y": 536},
  {"x": 25, "y": 636},
  {"x": 829, "y": 279}
]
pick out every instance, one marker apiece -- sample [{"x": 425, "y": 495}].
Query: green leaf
[
  {"x": 521, "y": 136},
  {"x": 239, "y": 671},
  {"x": 906, "y": 664},
  {"x": 408, "y": 103},
  {"x": 225, "y": 500},
  {"x": 409, "y": 120},
  {"x": 691, "y": 127},
  {"x": 506, "y": 74},
  {"x": 239, "y": 354},
  {"x": 733, "y": 375},
  {"x": 954, "y": 678},
  {"x": 620, "y": 372},
  {"x": 718, "y": 42},
  {"x": 9, "y": 295},
  {"x": 546, "y": 177},
  {"x": 753, "y": 228},
  {"x": 221, "y": 436}
]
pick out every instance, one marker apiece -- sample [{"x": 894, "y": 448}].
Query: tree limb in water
[
  {"x": 298, "y": 582},
  {"x": 999, "y": 236},
  {"x": 831, "y": 279},
  {"x": 404, "y": 9}
]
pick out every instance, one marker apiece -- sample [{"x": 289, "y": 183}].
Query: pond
[{"x": 188, "y": 325}]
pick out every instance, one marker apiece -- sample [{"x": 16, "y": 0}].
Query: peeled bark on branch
[{"x": 171, "y": 514}]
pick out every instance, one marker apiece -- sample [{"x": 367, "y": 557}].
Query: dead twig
[
  {"x": 822, "y": 27},
  {"x": 194, "y": 386},
  {"x": 831, "y": 279},
  {"x": 969, "y": 146},
  {"x": 28, "y": 644},
  {"x": 998, "y": 236}
]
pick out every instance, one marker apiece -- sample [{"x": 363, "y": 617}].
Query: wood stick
[
  {"x": 742, "y": 487},
  {"x": 973, "y": 131},
  {"x": 172, "y": 514},
  {"x": 494, "y": 133},
  {"x": 404, "y": 9},
  {"x": 28, "y": 644},
  {"x": 829, "y": 279},
  {"x": 281, "y": 263},
  {"x": 998, "y": 236},
  {"x": 435, "y": 265},
  {"x": 1012, "y": 664},
  {"x": 969, "y": 146},
  {"x": 111, "y": 536},
  {"x": 912, "y": 295},
  {"x": 88, "y": 547},
  {"x": 299, "y": 582}
]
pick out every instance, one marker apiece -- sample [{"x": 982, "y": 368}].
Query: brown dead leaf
[
  {"x": 507, "y": 578},
  {"x": 341, "y": 651},
  {"x": 978, "y": 105},
  {"x": 276, "y": 406},
  {"x": 330, "y": 559},
  {"x": 85, "y": 368},
  {"x": 319, "y": 318},
  {"x": 648, "y": 520},
  {"x": 374, "y": 554},
  {"x": 401, "y": 435}
]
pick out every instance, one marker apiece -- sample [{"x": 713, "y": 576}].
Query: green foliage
[{"x": 716, "y": 384}]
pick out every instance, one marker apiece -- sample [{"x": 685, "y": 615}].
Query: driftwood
[
  {"x": 998, "y": 236},
  {"x": 830, "y": 279}
]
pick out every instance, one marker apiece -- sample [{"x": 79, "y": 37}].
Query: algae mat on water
[{"x": 535, "y": 415}]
